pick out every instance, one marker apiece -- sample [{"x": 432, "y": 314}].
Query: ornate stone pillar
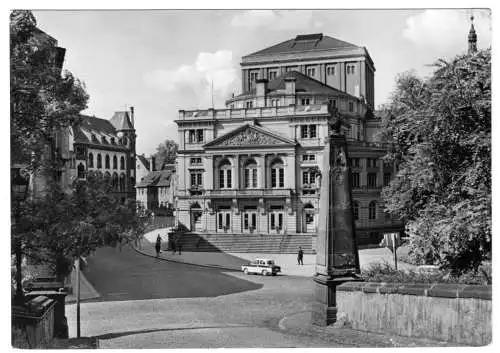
[{"x": 336, "y": 250}]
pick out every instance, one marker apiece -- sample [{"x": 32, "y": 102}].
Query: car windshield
[{"x": 270, "y": 262}]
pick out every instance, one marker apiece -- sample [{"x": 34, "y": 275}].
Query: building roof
[
  {"x": 303, "y": 84},
  {"x": 305, "y": 42},
  {"x": 121, "y": 121},
  {"x": 102, "y": 129},
  {"x": 156, "y": 178},
  {"x": 144, "y": 160}
]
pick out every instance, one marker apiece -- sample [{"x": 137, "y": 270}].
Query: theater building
[{"x": 254, "y": 166}]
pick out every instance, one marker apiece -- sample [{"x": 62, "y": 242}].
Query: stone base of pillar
[{"x": 324, "y": 307}]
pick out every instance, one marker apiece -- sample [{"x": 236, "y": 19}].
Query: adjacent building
[{"x": 253, "y": 167}]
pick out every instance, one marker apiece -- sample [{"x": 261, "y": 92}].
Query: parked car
[{"x": 261, "y": 266}]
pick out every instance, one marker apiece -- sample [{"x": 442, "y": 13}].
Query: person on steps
[
  {"x": 158, "y": 246},
  {"x": 300, "y": 256}
]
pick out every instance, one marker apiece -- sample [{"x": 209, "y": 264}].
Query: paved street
[{"x": 150, "y": 303}]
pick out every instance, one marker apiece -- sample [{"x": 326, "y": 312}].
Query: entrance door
[
  {"x": 249, "y": 220},
  {"x": 223, "y": 220},
  {"x": 276, "y": 221},
  {"x": 195, "y": 221}
]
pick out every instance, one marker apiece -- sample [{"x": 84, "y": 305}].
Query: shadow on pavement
[{"x": 127, "y": 275}]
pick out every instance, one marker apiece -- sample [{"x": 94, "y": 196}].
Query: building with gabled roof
[
  {"x": 155, "y": 191},
  {"x": 253, "y": 167}
]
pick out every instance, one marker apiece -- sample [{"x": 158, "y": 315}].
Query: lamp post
[{"x": 19, "y": 191}]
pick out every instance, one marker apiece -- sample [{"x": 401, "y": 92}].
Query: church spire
[{"x": 472, "y": 37}]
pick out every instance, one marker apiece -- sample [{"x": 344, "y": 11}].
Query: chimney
[
  {"x": 132, "y": 116},
  {"x": 261, "y": 90},
  {"x": 290, "y": 85},
  {"x": 152, "y": 163}
]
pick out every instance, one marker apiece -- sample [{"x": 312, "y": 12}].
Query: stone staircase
[{"x": 246, "y": 243}]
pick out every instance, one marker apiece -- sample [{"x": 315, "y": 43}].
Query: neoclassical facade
[{"x": 254, "y": 166}]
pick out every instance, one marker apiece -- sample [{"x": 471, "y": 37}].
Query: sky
[{"x": 162, "y": 61}]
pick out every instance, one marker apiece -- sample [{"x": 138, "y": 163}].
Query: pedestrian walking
[
  {"x": 300, "y": 257},
  {"x": 158, "y": 246}
]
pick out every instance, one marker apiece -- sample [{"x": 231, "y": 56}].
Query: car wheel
[
  {"x": 245, "y": 271},
  {"x": 264, "y": 273}
]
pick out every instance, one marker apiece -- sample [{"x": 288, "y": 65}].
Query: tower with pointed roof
[{"x": 472, "y": 39}]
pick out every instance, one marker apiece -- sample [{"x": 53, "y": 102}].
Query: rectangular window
[
  {"x": 199, "y": 135},
  {"x": 220, "y": 222},
  {"x": 249, "y": 104},
  {"x": 330, "y": 70},
  {"x": 290, "y": 68},
  {"x": 372, "y": 180},
  {"x": 273, "y": 223},
  {"x": 221, "y": 178},
  {"x": 254, "y": 178},
  {"x": 387, "y": 179},
  {"x": 311, "y": 71},
  {"x": 246, "y": 178},
  {"x": 273, "y": 178},
  {"x": 312, "y": 131},
  {"x": 355, "y": 180},
  {"x": 305, "y": 101},
  {"x": 195, "y": 161},
  {"x": 228, "y": 178},
  {"x": 253, "y": 77},
  {"x": 282, "y": 177},
  {"x": 245, "y": 221},
  {"x": 272, "y": 75},
  {"x": 351, "y": 107},
  {"x": 305, "y": 178},
  {"x": 192, "y": 134},
  {"x": 333, "y": 103},
  {"x": 303, "y": 131}
]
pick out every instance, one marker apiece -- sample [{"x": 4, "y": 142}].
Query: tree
[
  {"x": 67, "y": 225},
  {"x": 439, "y": 132},
  {"x": 42, "y": 99},
  {"x": 166, "y": 153}
]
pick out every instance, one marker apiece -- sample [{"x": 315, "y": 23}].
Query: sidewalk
[
  {"x": 233, "y": 261},
  {"x": 87, "y": 291}
]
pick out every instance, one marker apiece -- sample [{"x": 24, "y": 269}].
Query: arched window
[
  {"x": 99, "y": 161},
  {"x": 225, "y": 176},
  {"x": 113, "y": 141},
  {"x": 122, "y": 162},
  {"x": 91, "y": 160},
  {"x": 115, "y": 162},
  {"x": 122, "y": 182},
  {"x": 107, "y": 177},
  {"x": 372, "y": 210},
  {"x": 114, "y": 181},
  {"x": 250, "y": 174},
  {"x": 106, "y": 162},
  {"x": 355, "y": 210},
  {"x": 309, "y": 214},
  {"x": 124, "y": 141},
  {"x": 81, "y": 171},
  {"x": 277, "y": 174},
  {"x": 104, "y": 140}
]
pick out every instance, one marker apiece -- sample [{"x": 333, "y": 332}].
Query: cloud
[
  {"x": 446, "y": 30},
  {"x": 190, "y": 85},
  {"x": 276, "y": 19}
]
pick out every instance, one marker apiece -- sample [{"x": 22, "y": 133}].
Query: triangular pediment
[{"x": 249, "y": 136}]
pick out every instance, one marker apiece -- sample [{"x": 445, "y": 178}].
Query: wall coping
[{"x": 442, "y": 290}]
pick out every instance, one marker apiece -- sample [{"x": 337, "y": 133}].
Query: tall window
[
  {"x": 351, "y": 69},
  {"x": 91, "y": 160},
  {"x": 371, "y": 162},
  {"x": 355, "y": 210},
  {"x": 115, "y": 162},
  {"x": 99, "y": 161},
  {"x": 249, "y": 104},
  {"x": 81, "y": 171},
  {"x": 250, "y": 174},
  {"x": 253, "y": 77},
  {"x": 387, "y": 179},
  {"x": 355, "y": 180},
  {"x": 354, "y": 162},
  {"x": 225, "y": 175},
  {"x": 372, "y": 180},
  {"x": 372, "y": 210},
  {"x": 277, "y": 174},
  {"x": 196, "y": 178},
  {"x": 106, "y": 162},
  {"x": 308, "y": 157},
  {"x": 308, "y": 177},
  {"x": 351, "y": 107},
  {"x": 272, "y": 75},
  {"x": 308, "y": 131},
  {"x": 114, "y": 181},
  {"x": 122, "y": 182},
  {"x": 330, "y": 70},
  {"x": 122, "y": 162},
  {"x": 333, "y": 103},
  {"x": 305, "y": 101}
]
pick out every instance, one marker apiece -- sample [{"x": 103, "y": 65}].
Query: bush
[{"x": 384, "y": 272}]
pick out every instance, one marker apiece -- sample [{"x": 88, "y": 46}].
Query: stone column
[{"x": 337, "y": 258}]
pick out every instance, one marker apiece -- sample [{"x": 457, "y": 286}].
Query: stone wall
[{"x": 448, "y": 312}]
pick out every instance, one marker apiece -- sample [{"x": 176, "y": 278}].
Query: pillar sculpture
[{"x": 337, "y": 257}]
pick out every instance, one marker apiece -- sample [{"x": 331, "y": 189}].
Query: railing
[
  {"x": 243, "y": 113},
  {"x": 249, "y": 193}
]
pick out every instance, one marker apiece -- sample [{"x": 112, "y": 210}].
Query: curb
[{"x": 184, "y": 262}]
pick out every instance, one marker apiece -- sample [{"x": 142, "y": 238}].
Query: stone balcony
[{"x": 240, "y": 193}]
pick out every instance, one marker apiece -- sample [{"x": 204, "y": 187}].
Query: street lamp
[{"x": 19, "y": 191}]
